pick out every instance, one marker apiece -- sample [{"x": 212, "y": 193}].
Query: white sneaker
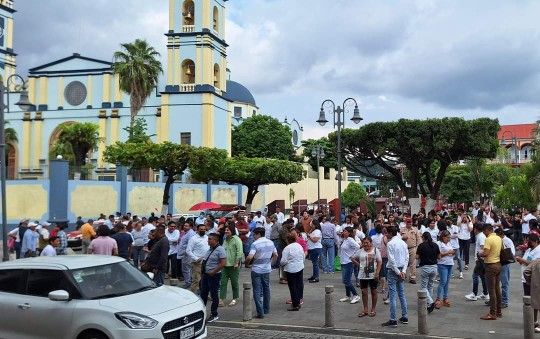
[
  {"x": 461, "y": 275},
  {"x": 386, "y": 301},
  {"x": 471, "y": 297},
  {"x": 345, "y": 299},
  {"x": 233, "y": 302},
  {"x": 485, "y": 297},
  {"x": 355, "y": 299}
]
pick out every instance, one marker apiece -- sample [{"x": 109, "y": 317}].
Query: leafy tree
[
  {"x": 10, "y": 134},
  {"x": 425, "y": 147},
  {"x": 138, "y": 66},
  {"x": 75, "y": 142},
  {"x": 205, "y": 163},
  {"x": 532, "y": 169},
  {"x": 457, "y": 186},
  {"x": 353, "y": 195},
  {"x": 515, "y": 194},
  {"x": 168, "y": 157},
  {"x": 330, "y": 155},
  {"x": 486, "y": 178},
  {"x": 262, "y": 136},
  {"x": 138, "y": 131}
]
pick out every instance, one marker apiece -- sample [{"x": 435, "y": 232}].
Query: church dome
[{"x": 237, "y": 92}]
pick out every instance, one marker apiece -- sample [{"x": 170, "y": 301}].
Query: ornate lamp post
[
  {"x": 513, "y": 143},
  {"x": 25, "y": 105},
  {"x": 318, "y": 152},
  {"x": 339, "y": 123}
]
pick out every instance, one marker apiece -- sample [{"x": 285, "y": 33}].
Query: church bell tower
[{"x": 7, "y": 55}]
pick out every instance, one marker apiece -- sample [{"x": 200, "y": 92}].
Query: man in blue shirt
[{"x": 29, "y": 241}]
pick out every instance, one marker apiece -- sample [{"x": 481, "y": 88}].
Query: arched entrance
[{"x": 11, "y": 162}]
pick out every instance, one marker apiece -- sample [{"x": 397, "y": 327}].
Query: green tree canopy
[
  {"x": 426, "y": 148},
  {"x": 75, "y": 142},
  {"x": 457, "y": 186},
  {"x": 205, "y": 163},
  {"x": 515, "y": 194},
  {"x": 353, "y": 195},
  {"x": 330, "y": 155},
  {"x": 262, "y": 136},
  {"x": 138, "y": 66},
  {"x": 168, "y": 157}
]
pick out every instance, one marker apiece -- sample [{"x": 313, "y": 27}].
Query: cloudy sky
[{"x": 399, "y": 59}]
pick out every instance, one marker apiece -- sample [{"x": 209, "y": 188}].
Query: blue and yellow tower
[{"x": 7, "y": 56}]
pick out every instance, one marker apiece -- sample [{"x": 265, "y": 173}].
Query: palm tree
[
  {"x": 139, "y": 69},
  {"x": 75, "y": 142},
  {"x": 10, "y": 134}
]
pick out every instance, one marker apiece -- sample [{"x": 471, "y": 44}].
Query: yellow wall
[
  {"x": 101, "y": 144},
  {"x": 144, "y": 199},
  {"x": 207, "y": 120},
  {"x": 60, "y": 93},
  {"x": 172, "y": 15},
  {"x": 106, "y": 87},
  {"x": 9, "y": 30},
  {"x": 170, "y": 65},
  {"x": 38, "y": 133},
  {"x": 115, "y": 121},
  {"x": 117, "y": 91},
  {"x": 90, "y": 94},
  {"x": 206, "y": 14},
  {"x": 184, "y": 198},
  {"x": 43, "y": 81},
  {"x": 27, "y": 138},
  {"x": 32, "y": 90},
  {"x": 225, "y": 195},
  {"x": 90, "y": 200},
  {"x": 18, "y": 205},
  {"x": 163, "y": 132},
  {"x": 208, "y": 66},
  {"x": 176, "y": 66}
]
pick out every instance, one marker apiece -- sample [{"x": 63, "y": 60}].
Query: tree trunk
[
  {"x": 430, "y": 204},
  {"x": 166, "y": 194},
  {"x": 251, "y": 193},
  {"x": 416, "y": 204}
]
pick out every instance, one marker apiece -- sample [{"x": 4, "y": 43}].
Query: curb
[{"x": 321, "y": 330}]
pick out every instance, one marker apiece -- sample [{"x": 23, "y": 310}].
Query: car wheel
[{"x": 92, "y": 334}]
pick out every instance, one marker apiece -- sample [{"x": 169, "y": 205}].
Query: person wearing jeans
[
  {"x": 444, "y": 267},
  {"x": 464, "y": 238},
  {"x": 212, "y": 265},
  {"x": 139, "y": 238},
  {"x": 329, "y": 236},
  {"x": 347, "y": 249},
  {"x": 398, "y": 260},
  {"x": 428, "y": 254},
  {"x": 260, "y": 257},
  {"x": 314, "y": 249},
  {"x": 478, "y": 272},
  {"x": 505, "y": 270}
]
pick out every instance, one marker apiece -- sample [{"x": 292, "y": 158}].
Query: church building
[{"x": 197, "y": 104}]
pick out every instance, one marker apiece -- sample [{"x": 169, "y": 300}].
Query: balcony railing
[
  {"x": 187, "y": 87},
  {"x": 188, "y": 28}
]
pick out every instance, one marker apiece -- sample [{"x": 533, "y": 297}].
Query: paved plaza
[{"x": 461, "y": 320}]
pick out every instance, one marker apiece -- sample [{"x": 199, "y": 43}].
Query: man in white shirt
[
  {"x": 182, "y": 254},
  {"x": 196, "y": 250},
  {"x": 259, "y": 218},
  {"x": 478, "y": 273},
  {"x": 525, "y": 228},
  {"x": 260, "y": 258},
  {"x": 50, "y": 250},
  {"x": 279, "y": 215},
  {"x": 398, "y": 260},
  {"x": 200, "y": 219},
  {"x": 295, "y": 219},
  {"x": 475, "y": 209},
  {"x": 173, "y": 235}
]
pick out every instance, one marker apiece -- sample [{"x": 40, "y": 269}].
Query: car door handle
[{"x": 24, "y": 306}]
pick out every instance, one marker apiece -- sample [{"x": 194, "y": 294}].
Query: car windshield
[{"x": 108, "y": 281}]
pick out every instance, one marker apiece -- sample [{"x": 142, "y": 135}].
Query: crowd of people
[{"x": 377, "y": 254}]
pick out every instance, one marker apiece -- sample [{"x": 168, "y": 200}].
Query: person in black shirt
[
  {"x": 123, "y": 240},
  {"x": 427, "y": 253}
]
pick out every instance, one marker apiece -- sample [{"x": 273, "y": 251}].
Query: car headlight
[{"x": 135, "y": 320}]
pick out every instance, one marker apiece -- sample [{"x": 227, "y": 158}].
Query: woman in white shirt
[
  {"x": 444, "y": 266},
  {"x": 292, "y": 261},
  {"x": 347, "y": 247},
  {"x": 464, "y": 238},
  {"x": 368, "y": 259},
  {"x": 454, "y": 242},
  {"x": 50, "y": 249},
  {"x": 314, "y": 249}
]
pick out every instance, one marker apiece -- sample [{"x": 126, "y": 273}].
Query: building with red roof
[{"x": 518, "y": 140}]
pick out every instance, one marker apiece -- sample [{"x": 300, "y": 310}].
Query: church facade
[{"x": 197, "y": 104}]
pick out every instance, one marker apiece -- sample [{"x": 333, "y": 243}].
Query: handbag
[
  {"x": 146, "y": 267},
  {"x": 506, "y": 257}
]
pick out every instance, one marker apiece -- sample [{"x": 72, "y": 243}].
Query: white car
[{"x": 92, "y": 296}]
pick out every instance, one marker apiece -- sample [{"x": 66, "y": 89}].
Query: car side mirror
[
  {"x": 150, "y": 275},
  {"x": 59, "y": 295}
]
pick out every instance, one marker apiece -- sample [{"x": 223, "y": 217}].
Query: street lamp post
[
  {"x": 25, "y": 105},
  {"x": 513, "y": 143},
  {"x": 318, "y": 152},
  {"x": 339, "y": 122}
]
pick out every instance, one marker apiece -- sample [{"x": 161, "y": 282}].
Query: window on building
[
  {"x": 237, "y": 112},
  {"x": 185, "y": 138},
  {"x": 188, "y": 13},
  {"x": 254, "y": 112},
  {"x": 217, "y": 76},
  {"x": 188, "y": 72},
  {"x": 216, "y": 19}
]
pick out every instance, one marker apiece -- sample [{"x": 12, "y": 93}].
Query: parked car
[
  {"x": 74, "y": 240},
  {"x": 98, "y": 297}
]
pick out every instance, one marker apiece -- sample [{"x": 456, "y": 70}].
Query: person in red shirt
[{"x": 243, "y": 232}]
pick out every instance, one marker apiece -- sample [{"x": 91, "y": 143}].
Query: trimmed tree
[
  {"x": 168, "y": 157},
  {"x": 425, "y": 148},
  {"x": 353, "y": 195},
  {"x": 457, "y": 186},
  {"x": 262, "y": 136},
  {"x": 515, "y": 194}
]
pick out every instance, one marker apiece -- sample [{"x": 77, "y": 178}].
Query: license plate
[{"x": 187, "y": 333}]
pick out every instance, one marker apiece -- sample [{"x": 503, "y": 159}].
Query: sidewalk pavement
[{"x": 462, "y": 319}]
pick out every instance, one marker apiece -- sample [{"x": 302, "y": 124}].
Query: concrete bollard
[
  {"x": 528, "y": 318},
  {"x": 247, "y": 313},
  {"x": 422, "y": 312},
  {"x": 329, "y": 306}
]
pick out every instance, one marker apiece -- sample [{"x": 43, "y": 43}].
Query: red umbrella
[{"x": 207, "y": 205}]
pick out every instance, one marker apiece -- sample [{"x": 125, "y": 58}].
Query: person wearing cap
[
  {"x": 44, "y": 235},
  {"x": 29, "y": 241},
  {"x": 412, "y": 237}
]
